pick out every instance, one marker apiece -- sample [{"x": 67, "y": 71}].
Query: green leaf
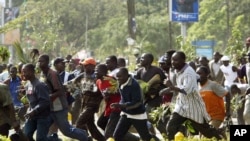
[{"x": 4, "y": 53}]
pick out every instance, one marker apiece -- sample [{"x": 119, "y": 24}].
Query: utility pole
[
  {"x": 228, "y": 24},
  {"x": 2, "y": 21},
  {"x": 170, "y": 34},
  {"x": 86, "y": 33},
  {"x": 11, "y": 48},
  {"x": 184, "y": 31},
  {"x": 10, "y": 3},
  {"x": 131, "y": 18}
]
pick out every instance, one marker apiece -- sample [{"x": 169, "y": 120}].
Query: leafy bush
[
  {"x": 4, "y": 138},
  {"x": 4, "y": 53}
]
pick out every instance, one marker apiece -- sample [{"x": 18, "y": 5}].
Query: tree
[
  {"x": 100, "y": 26},
  {"x": 213, "y": 22},
  {"x": 4, "y": 53}
]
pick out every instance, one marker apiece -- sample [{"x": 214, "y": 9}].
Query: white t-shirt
[
  {"x": 113, "y": 72},
  {"x": 216, "y": 68},
  {"x": 229, "y": 75}
]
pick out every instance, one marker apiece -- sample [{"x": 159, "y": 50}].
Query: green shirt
[{"x": 5, "y": 100}]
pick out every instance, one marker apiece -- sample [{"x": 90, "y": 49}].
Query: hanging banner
[
  {"x": 184, "y": 10},
  {"x": 10, "y": 14}
]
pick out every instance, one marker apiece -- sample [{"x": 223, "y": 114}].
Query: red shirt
[{"x": 114, "y": 97}]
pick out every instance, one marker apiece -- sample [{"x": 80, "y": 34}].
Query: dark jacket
[
  {"x": 131, "y": 95},
  {"x": 38, "y": 96}
]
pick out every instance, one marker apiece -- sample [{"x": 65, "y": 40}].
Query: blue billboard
[
  {"x": 207, "y": 52},
  {"x": 204, "y": 48},
  {"x": 184, "y": 10}
]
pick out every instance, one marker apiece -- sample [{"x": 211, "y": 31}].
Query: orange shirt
[{"x": 212, "y": 93}]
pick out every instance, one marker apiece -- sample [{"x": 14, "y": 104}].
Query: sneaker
[
  {"x": 90, "y": 138},
  {"x": 54, "y": 137},
  {"x": 222, "y": 132}
]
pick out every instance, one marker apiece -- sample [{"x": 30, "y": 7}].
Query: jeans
[
  {"x": 60, "y": 119},
  {"x": 40, "y": 125},
  {"x": 125, "y": 123}
]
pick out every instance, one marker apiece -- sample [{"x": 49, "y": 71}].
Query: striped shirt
[{"x": 190, "y": 104}]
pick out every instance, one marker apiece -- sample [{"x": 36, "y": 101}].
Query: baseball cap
[
  {"x": 225, "y": 58},
  {"x": 88, "y": 61},
  {"x": 162, "y": 59},
  {"x": 59, "y": 60}
]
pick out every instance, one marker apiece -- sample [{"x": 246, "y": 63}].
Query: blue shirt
[{"x": 14, "y": 83}]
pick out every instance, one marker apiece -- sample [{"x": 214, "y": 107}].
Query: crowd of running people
[{"x": 105, "y": 99}]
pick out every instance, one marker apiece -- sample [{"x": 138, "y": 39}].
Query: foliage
[
  {"x": 16, "y": 3},
  {"x": 100, "y": 26},
  {"x": 4, "y": 53},
  {"x": 67, "y": 24},
  {"x": 235, "y": 46},
  {"x": 218, "y": 20},
  {"x": 189, "y": 127},
  {"x": 114, "y": 86},
  {"x": 237, "y": 102},
  {"x": 4, "y": 138},
  {"x": 161, "y": 113},
  {"x": 22, "y": 57},
  {"x": 16, "y": 23},
  {"x": 41, "y": 30},
  {"x": 194, "y": 138},
  {"x": 186, "y": 47}
]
